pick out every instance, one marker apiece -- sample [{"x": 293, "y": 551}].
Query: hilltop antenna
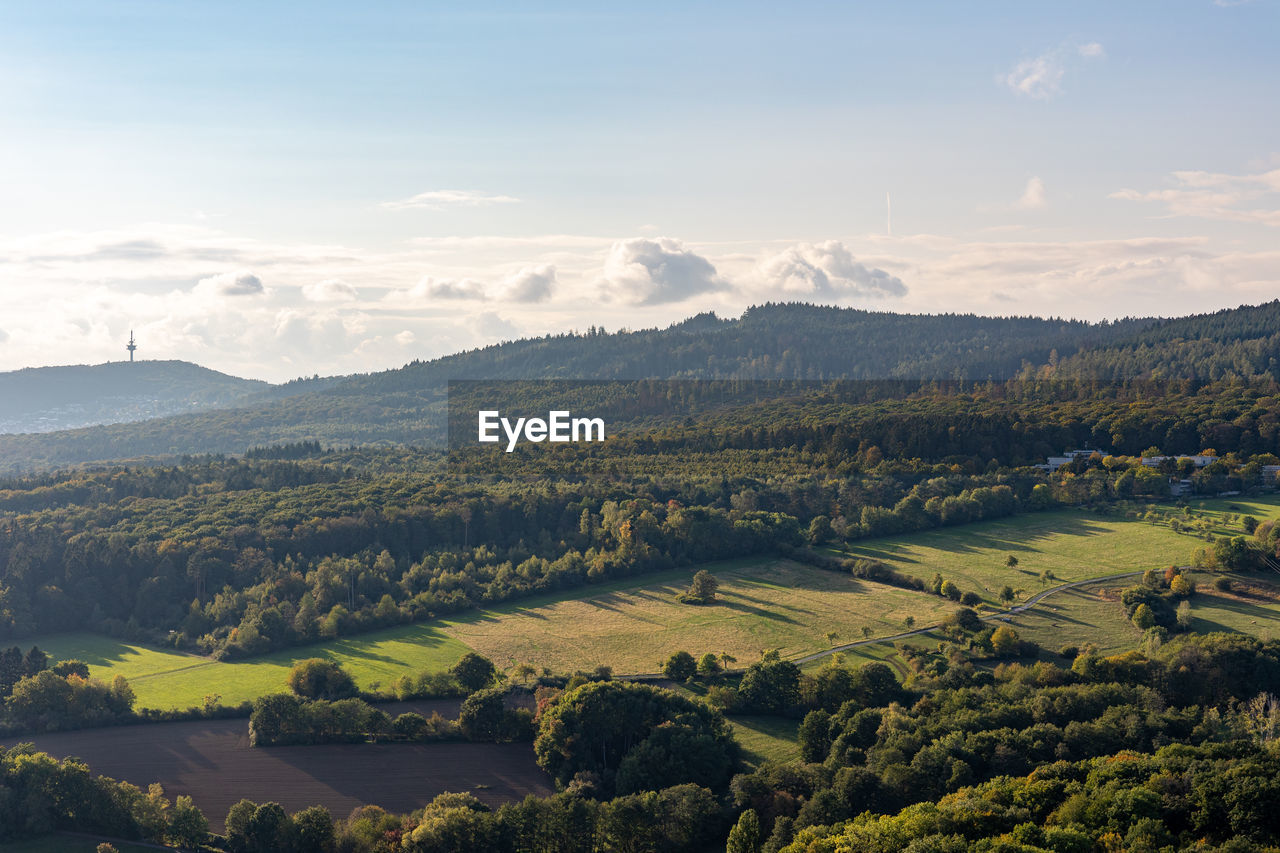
[{"x": 131, "y": 346}]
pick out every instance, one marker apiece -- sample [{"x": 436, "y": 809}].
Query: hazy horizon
[{"x": 302, "y": 189}]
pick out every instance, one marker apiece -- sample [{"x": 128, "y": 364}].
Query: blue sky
[{"x": 276, "y": 189}]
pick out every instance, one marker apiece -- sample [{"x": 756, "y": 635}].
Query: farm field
[
  {"x": 211, "y": 761},
  {"x": 762, "y": 605},
  {"x": 1072, "y": 544},
  {"x": 72, "y": 844},
  {"x": 168, "y": 679}
]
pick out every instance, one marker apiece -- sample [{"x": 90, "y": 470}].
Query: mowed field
[
  {"x": 766, "y": 604},
  {"x": 167, "y": 679},
  {"x": 211, "y": 761},
  {"x": 1072, "y": 544}
]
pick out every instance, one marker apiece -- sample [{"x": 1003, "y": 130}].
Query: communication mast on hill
[{"x": 131, "y": 346}]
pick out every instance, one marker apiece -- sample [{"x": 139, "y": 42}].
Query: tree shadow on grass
[
  {"x": 979, "y": 537},
  {"x": 98, "y": 650},
  {"x": 762, "y": 602},
  {"x": 771, "y": 615},
  {"x": 1256, "y": 614}
]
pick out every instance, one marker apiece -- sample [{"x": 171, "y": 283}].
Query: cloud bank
[{"x": 1214, "y": 195}]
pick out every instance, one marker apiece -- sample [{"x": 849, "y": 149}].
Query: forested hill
[
  {"x": 775, "y": 341},
  {"x": 43, "y": 399},
  {"x": 786, "y": 341},
  {"x": 1236, "y": 343}
]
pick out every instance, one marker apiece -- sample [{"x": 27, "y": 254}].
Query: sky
[{"x": 279, "y": 189}]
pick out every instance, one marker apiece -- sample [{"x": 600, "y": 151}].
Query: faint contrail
[{"x": 888, "y": 215}]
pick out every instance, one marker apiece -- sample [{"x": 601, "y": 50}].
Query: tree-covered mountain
[
  {"x": 1235, "y": 343},
  {"x": 773, "y": 341}
]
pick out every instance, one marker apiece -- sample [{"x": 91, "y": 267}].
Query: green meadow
[
  {"x": 1072, "y": 545},
  {"x": 169, "y": 679}
]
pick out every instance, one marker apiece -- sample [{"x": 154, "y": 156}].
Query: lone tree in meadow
[
  {"x": 702, "y": 590},
  {"x": 316, "y": 678},
  {"x": 474, "y": 672}
]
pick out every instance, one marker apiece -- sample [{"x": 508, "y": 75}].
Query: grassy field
[
  {"x": 1095, "y": 614},
  {"x": 1072, "y": 544},
  {"x": 1261, "y": 508},
  {"x": 169, "y": 679},
  {"x": 766, "y": 739},
  {"x": 764, "y": 604}
]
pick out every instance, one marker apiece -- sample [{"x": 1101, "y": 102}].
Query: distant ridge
[
  {"x": 215, "y": 413},
  {"x": 45, "y": 399}
]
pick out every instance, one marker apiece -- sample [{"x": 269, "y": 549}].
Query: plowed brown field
[{"x": 210, "y": 760}]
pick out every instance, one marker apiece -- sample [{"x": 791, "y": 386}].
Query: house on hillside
[{"x": 1055, "y": 462}]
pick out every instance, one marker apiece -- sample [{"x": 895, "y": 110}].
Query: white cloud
[
  {"x": 440, "y": 199},
  {"x": 825, "y": 270},
  {"x": 329, "y": 290},
  {"x": 445, "y": 288},
  {"x": 4, "y": 336},
  {"x": 405, "y": 338},
  {"x": 653, "y": 272},
  {"x": 1033, "y": 196},
  {"x": 1040, "y": 77},
  {"x": 1226, "y": 4},
  {"x": 240, "y": 283},
  {"x": 492, "y": 327},
  {"x": 305, "y": 332},
  {"x": 531, "y": 284},
  {"x": 1214, "y": 195}
]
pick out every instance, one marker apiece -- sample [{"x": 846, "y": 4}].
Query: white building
[{"x": 1197, "y": 461}]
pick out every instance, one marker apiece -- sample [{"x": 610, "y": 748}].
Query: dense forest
[{"x": 773, "y": 341}]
